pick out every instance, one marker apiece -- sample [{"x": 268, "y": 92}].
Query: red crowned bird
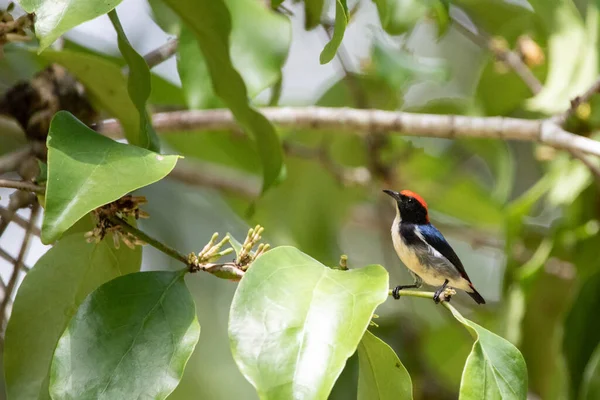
[{"x": 424, "y": 250}]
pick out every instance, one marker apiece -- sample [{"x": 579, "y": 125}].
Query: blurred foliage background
[{"x": 522, "y": 216}]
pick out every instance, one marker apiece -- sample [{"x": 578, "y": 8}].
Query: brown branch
[
  {"x": 348, "y": 119},
  {"x": 12, "y": 282},
  {"x": 18, "y": 200},
  {"x": 4, "y": 254},
  {"x": 162, "y": 53},
  {"x": 22, "y": 185},
  {"x": 17, "y": 219}
]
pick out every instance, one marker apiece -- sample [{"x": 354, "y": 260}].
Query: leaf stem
[{"x": 171, "y": 252}]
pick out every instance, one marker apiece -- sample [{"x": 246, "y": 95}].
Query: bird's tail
[{"x": 476, "y": 296}]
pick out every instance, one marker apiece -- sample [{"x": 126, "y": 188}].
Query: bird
[{"x": 424, "y": 250}]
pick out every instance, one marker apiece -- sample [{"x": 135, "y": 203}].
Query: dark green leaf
[
  {"x": 312, "y": 13},
  {"x": 381, "y": 375},
  {"x": 138, "y": 87},
  {"x": 293, "y": 339},
  {"x": 130, "y": 339},
  {"x": 341, "y": 20},
  {"x": 165, "y": 17},
  {"x": 399, "y": 16},
  {"x": 48, "y": 298},
  {"x": 495, "y": 369},
  {"x": 211, "y": 22},
  {"x": 441, "y": 14},
  {"x": 52, "y": 19},
  {"x": 87, "y": 170},
  {"x": 582, "y": 332},
  {"x": 590, "y": 389},
  {"x": 95, "y": 73}
]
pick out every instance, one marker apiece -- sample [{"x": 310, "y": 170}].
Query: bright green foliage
[
  {"x": 590, "y": 389},
  {"x": 210, "y": 20},
  {"x": 94, "y": 71},
  {"x": 341, "y": 21},
  {"x": 87, "y": 170},
  {"x": 582, "y": 333},
  {"x": 399, "y": 16},
  {"x": 48, "y": 298},
  {"x": 495, "y": 369},
  {"x": 53, "y": 18},
  {"x": 131, "y": 338},
  {"x": 260, "y": 39},
  {"x": 294, "y": 322},
  {"x": 138, "y": 87},
  {"x": 381, "y": 375}
]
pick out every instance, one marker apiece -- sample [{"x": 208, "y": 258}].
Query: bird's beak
[{"x": 394, "y": 195}]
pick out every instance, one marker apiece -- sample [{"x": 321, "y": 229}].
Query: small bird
[{"x": 424, "y": 250}]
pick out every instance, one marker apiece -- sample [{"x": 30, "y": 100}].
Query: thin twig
[
  {"x": 22, "y": 185},
  {"x": 17, "y": 219},
  {"x": 510, "y": 58},
  {"x": 361, "y": 121},
  {"x": 12, "y": 282},
  {"x": 18, "y": 200},
  {"x": 162, "y": 53},
  {"x": 576, "y": 102},
  {"x": 171, "y": 252},
  {"x": 4, "y": 254}
]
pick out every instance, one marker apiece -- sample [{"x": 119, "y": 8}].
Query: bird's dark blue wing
[{"x": 435, "y": 239}]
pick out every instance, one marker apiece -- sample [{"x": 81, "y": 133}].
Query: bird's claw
[{"x": 396, "y": 292}]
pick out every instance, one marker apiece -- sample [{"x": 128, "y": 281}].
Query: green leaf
[
  {"x": 87, "y": 170},
  {"x": 313, "y": 9},
  {"x": 441, "y": 14},
  {"x": 341, "y": 20},
  {"x": 95, "y": 73},
  {"x": 495, "y": 369},
  {"x": 47, "y": 299},
  {"x": 138, "y": 87},
  {"x": 581, "y": 332},
  {"x": 381, "y": 374},
  {"x": 165, "y": 17},
  {"x": 399, "y": 16},
  {"x": 211, "y": 22},
  {"x": 293, "y": 339},
  {"x": 590, "y": 389},
  {"x": 52, "y": 19},
  {"x": 398, "y": 68},
  {"x": 135, "y": 333}
]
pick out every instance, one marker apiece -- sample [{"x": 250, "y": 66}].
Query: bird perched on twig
[{"x": 424, "y": 250}]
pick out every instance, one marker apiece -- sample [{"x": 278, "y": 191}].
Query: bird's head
[{"x": 411, "y": 207}]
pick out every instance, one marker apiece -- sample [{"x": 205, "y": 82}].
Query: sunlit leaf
[
  {"x": 211, "y": 22},
  {"x": 293, "y": 339},
  {"x": 53, "y": 18},
  {"x": 135, "y": 333},
  {"x": 495, "y": 369},
  {"x": 138, "y": 87},
  {"x": 381, "y": 374},
  {"x": 48, "y": 298},
  {"x": 87, "y": 170},
  {"x": 341, "y": 20}
]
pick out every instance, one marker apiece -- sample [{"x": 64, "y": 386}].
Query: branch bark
[
  {"x": 22, "y": 185},
  {"x": 362, "y": 121}
]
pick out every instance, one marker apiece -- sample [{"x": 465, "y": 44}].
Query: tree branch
[
  {"x": 12, "y": 282},
  {"x": 22, "y": 185},
  {"x": 162, "y": 53},
  {"x": 576, "y": 102},
  {"x": 361, "y": 121}
]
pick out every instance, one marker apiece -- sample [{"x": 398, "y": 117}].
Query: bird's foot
[
  {"x": 443, "y": 294},
  {"x": 396, "y": 292}
]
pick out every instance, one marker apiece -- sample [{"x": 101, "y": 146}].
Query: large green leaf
[
  {"x": 130, "y": 339},
  {"x": 312, "y": 13},
  {"x": 590, "y": 389},
  {"x": 495, "y": 369},
  {"x": 341, "y": 20},
  {"x": 294, "y": 322},
  {"x": 582, "y": 332},
  {"x": 87, "y": 170},
  {"x": 138, "y": 87},
  {"x": 381, "y": 375},
  {"x": 399, "y": 16},
  {"x": 53, "y": 18},
  {"x": 48, "y": 298},
  {"x": 210, "y": 20},
  {"x": 106, "y": 84}
]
